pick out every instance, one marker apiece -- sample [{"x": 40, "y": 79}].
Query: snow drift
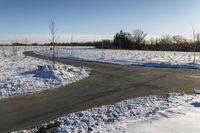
[
  {"x": 20, "y": 75},
  {"x": 152, "y": 114}
]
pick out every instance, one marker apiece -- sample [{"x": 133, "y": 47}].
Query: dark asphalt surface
[{"x": 107, "y": 84}]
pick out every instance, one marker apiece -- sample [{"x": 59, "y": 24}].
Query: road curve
[{"x": 107, "y": 84}]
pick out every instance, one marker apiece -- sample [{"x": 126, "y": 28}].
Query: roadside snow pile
[
  {"x": 182, "y": 118},
  {"x": 131, "y": 57},
  {"x": 115, "y": 118},
  {"x": 20, "y": 75}
]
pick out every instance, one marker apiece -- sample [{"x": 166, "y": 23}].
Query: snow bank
[
  {"x": 130, "y": 115},
  {"x": 183, "y": 118},
  {"x": 20, "y": 75},
  {"x": 131, "y": 57}
]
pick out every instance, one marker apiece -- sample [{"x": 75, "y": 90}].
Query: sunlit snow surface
[
  {"x": 130, "y": 57},
  {"x": 176, "y": 113},
  {"x": 182, "y": 117},
  {"x": 20, "y": 75}
]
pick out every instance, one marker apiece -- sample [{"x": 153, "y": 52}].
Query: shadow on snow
[
  {"x": 46, "y": 74},
  {"x": 196, "y": 104}
]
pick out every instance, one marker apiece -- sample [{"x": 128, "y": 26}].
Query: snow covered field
[
  {"x": 20, "y": 75},
  {"x": 176, "y": 113},
  {"x": 145, "y": 58}
]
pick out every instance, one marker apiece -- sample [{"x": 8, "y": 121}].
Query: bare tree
[
  {"x": 198, "y": 38},
  {"x": 15, "y": 47},
  {"x": 138, "y": 36},
  {"x": 52, "y": 30},
  {"x": 178, "y": 39},
  {"x": 194, "y": 30},
  {"x": 195, "y": 37},
  {"x": 166, "y": 39},
  {"x": 72, "y": 50},
  {"x": 152, "y": 41}
]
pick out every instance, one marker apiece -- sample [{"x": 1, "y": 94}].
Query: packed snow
[
  {"x": 21, "y": 75},
  {"x": 130, "y": 57},
  {"x": 175, "y": 113}
]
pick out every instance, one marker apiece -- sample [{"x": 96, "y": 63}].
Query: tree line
[{"x": 137, "y": 41}]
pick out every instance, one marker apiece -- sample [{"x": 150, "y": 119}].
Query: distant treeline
[
  {"x": 76, "y": 44},
  {"x": 59, "y": 44},
  {"x": 137, "y": 41},
  {"x": 22, "y": 44}
]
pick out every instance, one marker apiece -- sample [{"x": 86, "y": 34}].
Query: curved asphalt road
[{"x": 107, "y": 84}]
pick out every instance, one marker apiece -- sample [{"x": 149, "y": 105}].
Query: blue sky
[{"x": 28, "y": 18}]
